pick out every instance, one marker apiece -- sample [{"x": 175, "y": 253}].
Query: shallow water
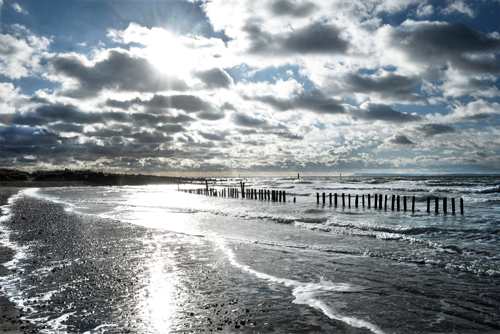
[{"x": 370, "y": 270}]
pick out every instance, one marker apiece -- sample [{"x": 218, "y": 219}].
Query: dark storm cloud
[
  {"x": 312, "y": 100},
  {"x": 211, "y": 115},
  {"x": 170, "y": 128},
  {"x": 214, "y": 136},
  {"x": 152, "y": 120},
  {"x": 215, "y": 78},
  {"x": 152, "y": 137},
  {"x": 315, "y": 38},
  {"x": 400, "y": 140},
  {"x": 432, "y": 129},
  {"x": 63, "y": 113},
  {"x": 439, "y": 43},
  {"x": 188, "y": 103},
  {"x": 120, "y": 72},
  {"x": 20, "y": 136},
  {"x": 66, "y": 127},
  {"x": 248, "y": 121},
  {"x": 391, "y": 86},
  {"x": 158, "y": 103},
  {"x": 286, "y": 7},
  {"x": 382, "y": 112}
]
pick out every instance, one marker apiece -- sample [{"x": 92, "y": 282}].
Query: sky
[{"x": 251, "y": 87}]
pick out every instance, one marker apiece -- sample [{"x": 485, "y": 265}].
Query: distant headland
[{"x": 66, "y": 177}]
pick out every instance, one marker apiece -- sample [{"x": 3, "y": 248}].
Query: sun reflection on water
[{"x": 157, "y": 300}]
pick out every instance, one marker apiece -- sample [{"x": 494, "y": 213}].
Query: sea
[{"x": 357, "y": 269}]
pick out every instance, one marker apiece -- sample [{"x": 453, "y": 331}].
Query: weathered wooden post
[
  {"x": 324, "y": 196},
  {"x": 294, "y": 200},
  {"x": 392, "y": 202},
  {"x": 363, "y": 199},
  {"x": 404, "y": 203},
  {"x": 380, "y": 201},
  {"x": 284, "y": 196},
  {"x": 242, "y": 185},
  {"x": 369, "y": 204},
  {"x": 317, "y": 198},
  {"x": 375, "y": 201},
  {"x": 335, "y": 195},
  {"x": 436, "y": 202},
  {"x": 397, "y": 202},
  {"x": 428, "y": 204},
  {"x": 281, "y": 195},
  {"x": 385, "y": 203},
  {"x": 413, "y": 204},
  {"x": 461, "y": 206},
  {"x": 330, "y": 198},
  {"x": 453, "y": 205},
  {"x": 349, "y": 200},
  {"x": 356, "y": 201},
  {"x": 445, "y": 205},
  {"x": 343, "y": 200}
]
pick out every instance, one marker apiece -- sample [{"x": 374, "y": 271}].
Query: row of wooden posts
[
  {"x": 257, "y": 194},
  {"x": 395, "y": 202}
]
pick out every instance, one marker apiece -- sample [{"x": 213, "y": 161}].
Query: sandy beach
[
  {"x": 108, "y": 270},
  {"x": 10, "y": 316}
]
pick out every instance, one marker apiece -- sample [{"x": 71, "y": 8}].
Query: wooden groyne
[
  {"x": 380, "y": 202},
  {"x": 252, "y": 194}
]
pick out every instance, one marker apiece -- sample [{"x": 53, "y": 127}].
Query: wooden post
[
  {"x": 330, "y": 198},
  {"x": 445, "y": 205},
  {"x": 404, "y": 203},
  {"x": 294, "y": 200},
  {"x": 284, "y": 196},
  {"x": 392, "y": 202},
  {"x": 363, "y": 200},
  {"x": 380, "y": 201},
  {"x": 413, "y": 204},
  {"x": 461, "y": 206},
  {"x": 398, "y": 204},
  {"x": 335, "y": 195},
  {"x": 356, "y": 201},
  {"x": 375, "y": 201},
  {"x": 324, "y": 196},
  {"x": 436, "y": 202},
  {"x": 428, "y": 204},
  {"x": 317, "y": 198},
  {"x": 385, "y": 203},
  {"x": 369, "y": 204},
  {"x": 453, "y": 205},
  {"x": 349, "y": 200},
  {"x": 343, "y": 200}
]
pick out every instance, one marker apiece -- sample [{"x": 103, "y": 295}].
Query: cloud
[
  {"x": 214, "y": 78},
  {"x": 400, "y": 140},
  {"x": 18, "y": 8},
  {"x": 120, "y": 71},
  {"x": 381, "y": 112},
  {"x": 312, "y": 100},
  {"x": 20, "y": 55},
  {"x": 286, "y": 7},
  {"x": 433, "y": 129},
  {"x": 437, "y": 43},
  {"x": 316, "y": 38},
  {"x": 475, "y": 111},
  {"x": 388, "y": 86},
  {"x": 458, "y": 6}
]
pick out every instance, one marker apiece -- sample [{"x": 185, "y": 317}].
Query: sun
[{"x": 168, "y": 54}]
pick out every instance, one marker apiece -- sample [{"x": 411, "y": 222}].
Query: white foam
[{"x": 305, "y": 293}]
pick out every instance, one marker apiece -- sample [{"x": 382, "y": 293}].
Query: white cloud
[
  {"x": 18, "y": 8},
  {"x": 424, "y": 11},
  {"x": 458, "y": 6}
]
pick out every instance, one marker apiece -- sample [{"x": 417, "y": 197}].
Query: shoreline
[
  {"x": 121, "y": 262},
  {"x": 10, "y": 322}
]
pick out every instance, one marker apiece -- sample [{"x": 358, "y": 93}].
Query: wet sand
[
  {"x": 9, "y": 315},
  {"x": 128, "y": 278}
]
